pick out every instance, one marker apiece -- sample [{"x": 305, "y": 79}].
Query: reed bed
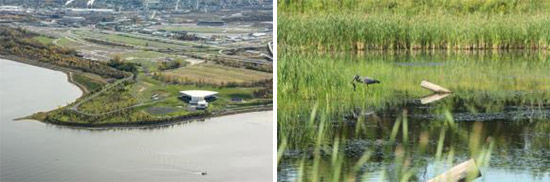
[
  {"x": 415, "y": 6},
  {"x": 492, "y": 54},
  {"x": 486, "y": 79},
  {"x": 390, "y": 31}
]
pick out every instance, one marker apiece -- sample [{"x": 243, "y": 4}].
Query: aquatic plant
[
  {"x": 391, "y": 31},
  {"x": 471, "y": 75},
  {"x": 389, "y": 158}
]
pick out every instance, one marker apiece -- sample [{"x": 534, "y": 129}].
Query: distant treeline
[{"x": 19, "y": 42}]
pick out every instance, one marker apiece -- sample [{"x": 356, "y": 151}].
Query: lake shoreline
[{"x": 138, "y": 125}]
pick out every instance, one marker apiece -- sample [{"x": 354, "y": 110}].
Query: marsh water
[
  {"x": 501, "y": 113},
  {"x": 229, "y": 148}
]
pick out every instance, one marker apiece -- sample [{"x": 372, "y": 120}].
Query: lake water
[
  {"x": 229, "y": 148},
  {"x": 501, "y": 104}
]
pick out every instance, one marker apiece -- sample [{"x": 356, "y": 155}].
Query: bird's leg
[{"x": 353, "y": 83}]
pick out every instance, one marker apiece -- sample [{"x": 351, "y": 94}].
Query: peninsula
[{"x": 141, "y": 87}]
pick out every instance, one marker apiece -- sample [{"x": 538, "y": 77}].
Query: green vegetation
[
  {"x": 169, "y": 65},
  {"x": 66, "y": 43},
  {"x": 475, "y": 75},
  {"x": 44, "y": 40},
  {"x": 147, "y": 59},
  {"x": 119, "y": 64},
  {"x": 398, "y": 153},
  {"x": 114, "y": 99},
  {"x": 122, "y": 92},
  {"x": 328, "y": 131},
  {"x": 400, "y": 31},
  {"x": 382, "y": 25},
  {"x": 88, "y": 81},
  {"x": 415, "y": 6},
  {"x": 492, "y": 54},
  {"x": 19, "y": 42}
]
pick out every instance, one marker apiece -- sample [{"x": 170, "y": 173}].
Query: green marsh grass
[
  {"x": 328, "y": 77},
  {"x": 390, "y": 31},
  {"x": 470, "y": 47},
  {"x": 414, "y": 6},
  {"x": 482, "y": 82}
]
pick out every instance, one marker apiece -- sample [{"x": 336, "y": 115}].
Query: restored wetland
[
  {"x": 130, "y": 89},
  {"x": 386, "y": 132},
  {"x": 136, "y": 90},
  {"x": 492, "y": 55}
]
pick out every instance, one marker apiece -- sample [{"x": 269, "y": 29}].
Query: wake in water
[{"x": 177, "y": 169}]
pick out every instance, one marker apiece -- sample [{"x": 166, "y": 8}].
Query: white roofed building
[{"x": 198, "y": 98}]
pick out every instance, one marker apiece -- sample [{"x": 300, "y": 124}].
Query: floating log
[
  {"x": 433, "y": 87},
  {"x": 433, "y": 97},
  {"x": 461, "y": 172}
]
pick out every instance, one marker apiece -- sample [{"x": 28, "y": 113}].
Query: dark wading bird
[{"x": 364, "y": 80}]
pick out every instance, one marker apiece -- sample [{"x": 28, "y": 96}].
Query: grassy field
[
  {"x": 213, "y": 73},
  {"x": 44, "y": 40},
  {"x": 168, "y": 95},
  {"x": 91, "y": 82},
  {"x": 147, "y": 58},
  {"x": 67, "y": 43}
]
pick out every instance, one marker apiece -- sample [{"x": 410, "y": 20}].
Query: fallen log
[
  {"x": 433, "y": 87},
  {"x": 433, "y": 98},
  {"x": 464, "y": 171}
]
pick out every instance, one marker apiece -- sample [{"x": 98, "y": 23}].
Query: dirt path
[{"x": 82, "y": 87}]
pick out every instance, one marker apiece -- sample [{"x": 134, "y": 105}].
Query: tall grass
[
  {"x": 327, "y": 77},
  {"x": 486, "y": 80},
  {"x": 461, "y": 45},
  {"x": 391, "y": 31},
  {"x": 414, "y": 6}
]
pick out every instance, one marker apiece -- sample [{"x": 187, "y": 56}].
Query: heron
[{"x": 365, "y": 80}]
